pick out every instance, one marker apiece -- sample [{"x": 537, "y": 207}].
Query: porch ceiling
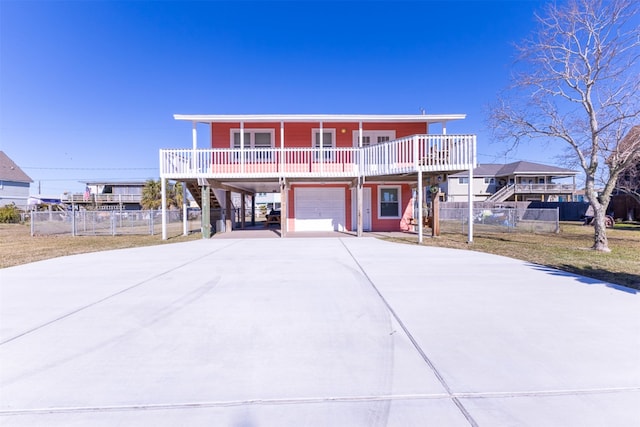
[{"x": 271, "y": 185}]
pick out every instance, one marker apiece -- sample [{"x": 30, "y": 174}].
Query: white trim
[
  {"x": 335, "y": 118},
  {"x": 380, "y": 188}
]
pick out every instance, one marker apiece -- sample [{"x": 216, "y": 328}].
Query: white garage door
[{"x": 319, "y": 209}]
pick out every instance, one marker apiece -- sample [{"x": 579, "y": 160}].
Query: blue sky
[{"x": 88, "y": 89}]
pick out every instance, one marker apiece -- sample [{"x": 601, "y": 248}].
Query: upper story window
[
  {"x": 328, "y": 142},
  {"x": 372, "y": 137},
  {"x": 463, "y": 180},
  {"x": 253, "y": 138},
  {"x": 328, "y": 138},
  {"x": 489, "y": 181}
]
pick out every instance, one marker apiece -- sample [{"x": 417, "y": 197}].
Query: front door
[{"x": 366, "y": 209}]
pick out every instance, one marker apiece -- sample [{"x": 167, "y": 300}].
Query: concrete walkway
[{"x": 313, "y": 332}]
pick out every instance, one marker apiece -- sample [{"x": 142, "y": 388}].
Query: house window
[
  {"x": 389, "y": 202},
  {"x": 372, "y": 137},
  {"x": 254, "y": 139},
  {"x": 463, "y": 180},
  {"x": 489, "y": 181},
  {"x": 540, "y": 180},
  {"x": 328, "y": 142}
]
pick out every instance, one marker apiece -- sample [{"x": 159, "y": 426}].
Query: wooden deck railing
[{"x": 429, "y": 153}]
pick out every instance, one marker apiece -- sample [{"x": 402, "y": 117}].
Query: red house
[{"x": 334, "y": 172}]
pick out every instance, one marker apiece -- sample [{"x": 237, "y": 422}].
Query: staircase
[
  {"x": 503, "y": 194},
  {"x": 195, "y": 190}
]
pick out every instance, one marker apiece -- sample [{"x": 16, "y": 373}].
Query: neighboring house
[
  {"x": 517, "y": 181},
  {"x": 332, "y": 172},
  {"x": 109, "y": 195},
  {"x": 14, "y": 183},
  {"x": 625, "y": 200},
  {"x": 268, "y": 201}
]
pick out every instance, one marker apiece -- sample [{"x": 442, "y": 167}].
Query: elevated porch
[
  {"x": 424, "y": 153},
  {"x": 249, "y": 170}
]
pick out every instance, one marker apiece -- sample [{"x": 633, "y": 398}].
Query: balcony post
[
  {"x": 185, "y": 223},
  {"x": 284, "y": 206},
  {"x": 228, "y": 212},
  {"x": 194, "y": 141},
  {"x": 470, "y": 200},
  {"x": 163, "y": 198},
  {"x": 205, "y": 217},
  {"x": 420, "y": 213},
  {"x": 321, "y": 148},
  {"x": 281, "y": 147},
  {"x": 242, "y": 147},
  {"x": 359, "y": 196}
]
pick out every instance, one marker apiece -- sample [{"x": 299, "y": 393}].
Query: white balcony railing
[
  {"x": 544, "y": 188},
  {"x": 429, "y": 153},
  {"x": 102, "y": 198}
]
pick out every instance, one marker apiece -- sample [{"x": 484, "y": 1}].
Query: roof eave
[{"x": 330, "y": 118}]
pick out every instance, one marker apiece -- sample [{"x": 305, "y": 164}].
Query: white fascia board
[{"x": 337, "y": 118}]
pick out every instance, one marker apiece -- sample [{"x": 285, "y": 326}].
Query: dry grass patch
[
  {"x": 18, "y": 247},
  {"x": 568, "y": 251}
]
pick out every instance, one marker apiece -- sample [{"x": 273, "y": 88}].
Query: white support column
[
  {"x": 361, "y": 159},
  {"x": 194, "y": 136},
  {"x": 359, "y": 197},
  {"x": 321, "y": 148},
  {"x": 242, "y": 147},
  {"x": 185, "y": 219},
  {"x": 470, "y": 199},
  {"x": 163, "y": 190},
  {"x": 194, "y": 141},
  {"x": 359, "y": 189},
  {"x": 420, "y": 213},
  {"x": 281, "y": 147}
]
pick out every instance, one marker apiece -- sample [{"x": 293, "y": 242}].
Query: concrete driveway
[{"x": 313, "y": 332}]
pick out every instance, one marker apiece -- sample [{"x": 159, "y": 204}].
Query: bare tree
[{"x": 579, "y": 85}]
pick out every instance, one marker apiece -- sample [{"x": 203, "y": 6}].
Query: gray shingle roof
[
  {"x": 515, "y": 168},
  {"x": 9, "y": 171}
]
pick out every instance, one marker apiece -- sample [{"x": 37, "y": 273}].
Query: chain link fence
[
  {"x": 501, "y": 220},
  {"x": 111, "y": 223}
]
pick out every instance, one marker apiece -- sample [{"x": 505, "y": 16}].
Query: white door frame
[{"x": 366, "y": 209}]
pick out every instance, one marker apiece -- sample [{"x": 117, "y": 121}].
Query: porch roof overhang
[{"x": 314, "y": 118}]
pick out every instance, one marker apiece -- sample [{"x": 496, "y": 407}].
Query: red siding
[
  {"x": 393, "y": 224},
  {"x": 299, "y": 134}
]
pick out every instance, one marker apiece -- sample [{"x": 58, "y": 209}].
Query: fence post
[
  {"x": 73, "y": 220},
  {"x": 32, "y": 225},
  {"x": 151, "y": 225},
  {"x": 557, "y": 220}
]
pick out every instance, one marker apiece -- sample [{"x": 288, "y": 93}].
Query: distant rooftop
[
  {"x": 9, "y": 171},
  {"x": 516, "y": 168}
]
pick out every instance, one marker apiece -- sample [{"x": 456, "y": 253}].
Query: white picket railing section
[{"x": 428, "y": 153}]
